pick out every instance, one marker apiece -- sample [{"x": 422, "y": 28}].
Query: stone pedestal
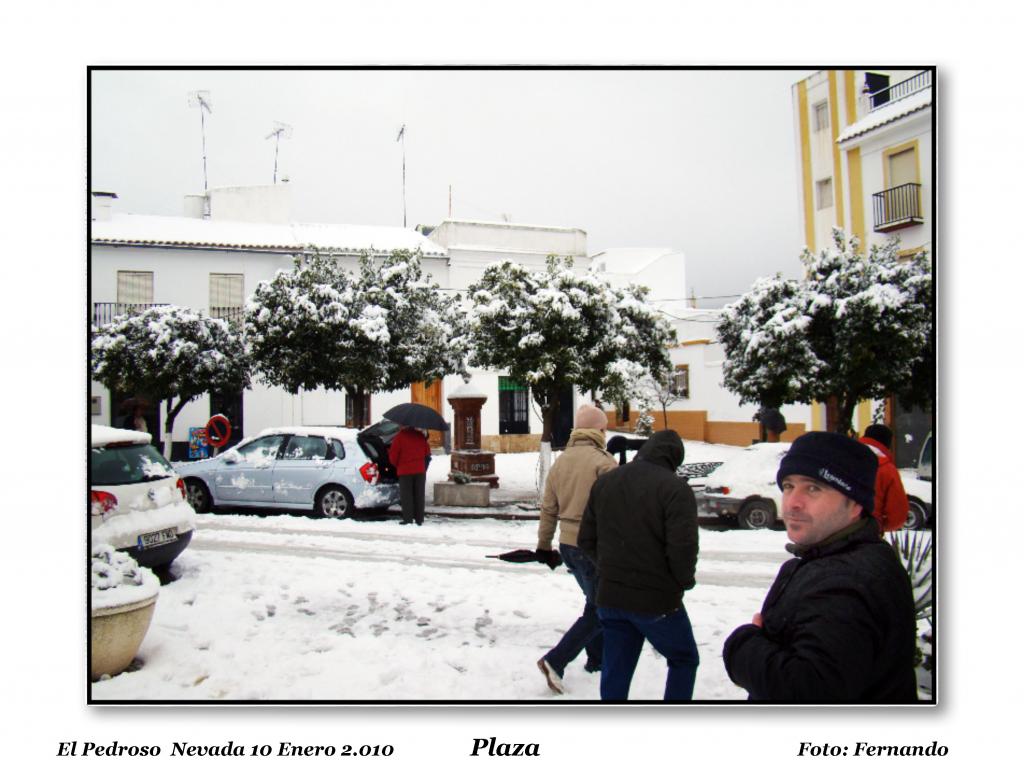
[
  {"x": 467, "y": 455},
  {"x": 478, "y": 464},
  {"x": 477, "y": 494}
]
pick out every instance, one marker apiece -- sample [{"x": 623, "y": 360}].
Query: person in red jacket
[
  {"x": 891, "y": 505},
  {"x": 409, "y": 454}
]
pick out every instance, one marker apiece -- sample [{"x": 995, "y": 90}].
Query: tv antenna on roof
[
  {"x": 201, "y": 99},
  {"x": 280, "y": 129}
]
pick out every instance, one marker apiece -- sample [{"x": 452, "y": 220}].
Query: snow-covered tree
[
  {"x": 660, "y": 391},
  {"x": 635, "y": 347},
  {"x": 169, "y": 353},
  {"x": 857, "y": 327},
  {"x": 319, "y": 326},
  {"x": 551, "y": 329},
  {"x": 425, "y": 325},
  {"x": 769, "y": 360}
]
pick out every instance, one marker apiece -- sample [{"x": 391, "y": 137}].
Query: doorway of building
[
  {"x": 122, "y": 409},
  {"x": 229, "y": 404},
  {"x": 910, "y": 428},
  {"x": 563, "y": 419},
  {"x": 430, "y": 394}
]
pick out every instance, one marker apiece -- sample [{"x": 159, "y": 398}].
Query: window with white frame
[
  {"x": 823, "y": 187},
  {"x": 821, "y": 116}
]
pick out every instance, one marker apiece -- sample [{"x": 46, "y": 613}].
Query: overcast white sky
[{"x": 698, "y": 161}]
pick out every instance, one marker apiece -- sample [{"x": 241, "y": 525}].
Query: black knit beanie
[{"x": 839, "y": 461}]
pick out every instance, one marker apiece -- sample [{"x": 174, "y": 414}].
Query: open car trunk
[{"x": 375, "y": 441}]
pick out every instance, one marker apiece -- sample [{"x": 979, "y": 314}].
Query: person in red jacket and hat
[
  {"x": 408, "y": 453},
  {"x": 891, "y": 505}
]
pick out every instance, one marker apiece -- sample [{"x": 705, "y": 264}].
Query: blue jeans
[
  {"x": 670, "y": 634},
  {"x": 586, "y": 631}
]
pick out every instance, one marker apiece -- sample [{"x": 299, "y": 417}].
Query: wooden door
[{"x": 430, "y": 395}]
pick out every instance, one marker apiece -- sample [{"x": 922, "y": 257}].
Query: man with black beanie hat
[{"x": 838, "y": 624}]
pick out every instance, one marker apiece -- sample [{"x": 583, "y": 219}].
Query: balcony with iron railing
[
  {"x": 898, "y": 207},
  {"x": 230, "y": 313},
  {"x": 904, "y": 88},
  {"x": 104, "y": 313}
]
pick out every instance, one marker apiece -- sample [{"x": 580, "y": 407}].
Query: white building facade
[
  {"x": 231, "y": 239},
  {"x": 702, "y": 409}
]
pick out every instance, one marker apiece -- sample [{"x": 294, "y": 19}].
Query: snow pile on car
[{"x": 751, "y": 472}]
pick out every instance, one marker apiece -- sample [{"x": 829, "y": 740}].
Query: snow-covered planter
[
  {"x": 644, "y": 424},
  {"x": 123, "y": 598}
]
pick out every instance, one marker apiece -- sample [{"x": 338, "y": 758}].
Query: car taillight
[
  {"x": 181, "y": 488},
  {"x": 717, "y": 490},
  {"x": 100, "y": 502},
  {"x": 370, "y": 472}
]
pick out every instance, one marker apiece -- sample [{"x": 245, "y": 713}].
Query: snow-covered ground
[
  {"x": 288, "y": 607},
  {"x": 294, "y": 608}
]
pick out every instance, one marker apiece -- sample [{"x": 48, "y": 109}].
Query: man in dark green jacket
[
  {"x": 640, "y": 527},
  {"x": 838, "y": 623}
]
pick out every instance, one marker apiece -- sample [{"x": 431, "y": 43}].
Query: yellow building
[{"x": 866, "y": 164}]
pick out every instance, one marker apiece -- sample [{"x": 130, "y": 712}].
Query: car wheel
[
  {"x": 197, "y": 495},
  {"x": 334, "y": 501},
  {"x": 917, "y": 516},
  {"x": 757, "y": 515}
]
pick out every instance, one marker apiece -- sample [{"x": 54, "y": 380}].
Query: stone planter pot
[{"x": 116, "y": 634}]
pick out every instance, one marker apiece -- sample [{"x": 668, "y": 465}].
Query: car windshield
[{"x": 127, "y": 465}]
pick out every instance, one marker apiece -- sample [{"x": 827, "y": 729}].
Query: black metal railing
[
  {"x": 104, "y": 313},
  {"x": 230, "y": 313},
  {"x": 897, "y": 207},
  {"x": 911, "y": 85}
]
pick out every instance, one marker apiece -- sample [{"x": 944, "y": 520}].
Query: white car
[
  {"x": 327, "y": 469},
  {"x": 918, "y": 484},
  {"x": 136, "y": 501},
  {"x": 743, "y": 488}
]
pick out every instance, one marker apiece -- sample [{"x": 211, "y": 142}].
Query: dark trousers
[
  {"x": 412, "y": 488},
  {"x": 586, "y": 631},
  {"x": 670, "y": 634}
]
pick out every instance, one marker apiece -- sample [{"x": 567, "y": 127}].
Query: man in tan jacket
[{"x": 565, "y": 497}]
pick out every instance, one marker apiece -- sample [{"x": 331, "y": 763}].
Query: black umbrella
[
  {"x": 417, "y": 416},
  {"x": 132, "y": 402},
  {"x": 550, "y": 558}
]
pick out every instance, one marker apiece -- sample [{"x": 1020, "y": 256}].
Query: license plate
[{"x": 160, "y": 537}]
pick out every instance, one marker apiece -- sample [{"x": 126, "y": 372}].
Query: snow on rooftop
[
  {"x": 887, "y": 114},
  {"x": 189, "y": 231}
]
